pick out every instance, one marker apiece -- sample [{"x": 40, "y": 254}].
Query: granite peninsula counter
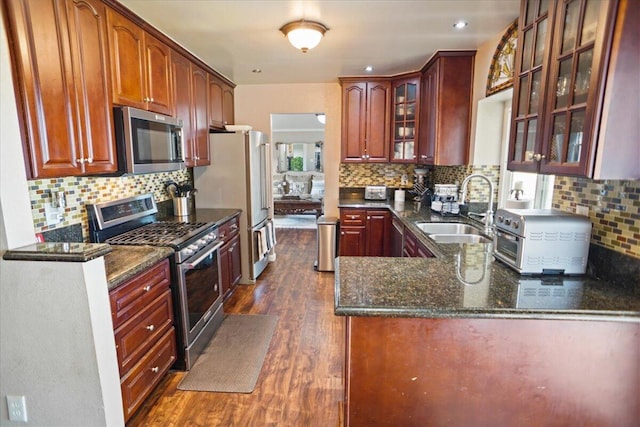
[{"x": 462, "y": 339}]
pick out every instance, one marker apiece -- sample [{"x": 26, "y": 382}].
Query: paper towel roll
[
  {"x": 519, "y": 204},
  {"x": 398, "y": 205},
  {"x": 398, "y": 196}
]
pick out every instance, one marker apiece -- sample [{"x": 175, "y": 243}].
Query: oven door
[
  {"x": 200, "y": 291},
  {"x": 508, "y": 248}
]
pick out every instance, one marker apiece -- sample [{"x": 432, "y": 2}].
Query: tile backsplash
[
  {"x": 614, "y": 209},
  {"x": 82, "y": 190}
]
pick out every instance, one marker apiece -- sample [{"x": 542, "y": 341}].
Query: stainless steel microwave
[{"x": 147, "y": 142}]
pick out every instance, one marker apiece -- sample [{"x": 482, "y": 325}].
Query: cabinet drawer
[
  {"x": 351, "y": 217},
  {"x": 146, "y": 374},
  {"x": 131, "y": 297},
  {"x": 229, "y": 229},
  {"x": 138, "y": 334}
]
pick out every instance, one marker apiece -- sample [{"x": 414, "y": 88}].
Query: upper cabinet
[
  {"x": 198, "y": 153},
  {"x": 577, "y": 83},
  {"x": 365, "y": 120},
  {"x": 446, "y": 88},
  {"x": 220, "y": 103},
  {"x": 405, "y": 110},
  {"x": 63, "y": 86},
  {"x": 140, "y": 66}
]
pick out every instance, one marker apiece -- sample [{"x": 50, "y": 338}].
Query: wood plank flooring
[{"x": 301, "y": 383}]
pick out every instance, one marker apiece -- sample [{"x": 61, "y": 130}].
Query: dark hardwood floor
[{"x": 301, "y": 383}]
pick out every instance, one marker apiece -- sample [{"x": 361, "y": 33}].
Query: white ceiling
[{"x": 237, "y": 36}]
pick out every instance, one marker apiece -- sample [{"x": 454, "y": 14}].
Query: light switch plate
[{"x": 582, "y": 210}]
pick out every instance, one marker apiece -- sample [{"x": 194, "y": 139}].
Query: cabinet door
[
  {"x": 397, "y": 238},
  {"x": 409, "y": 249},
  {"x": 352, "y": 241},
  {"x": 126, "y": 41},
  {"x": 228, "y": 106},
  {"x": 579, "y": 50},
  {"x": 158, "y": 76},
  {"x": 215, "y": 103},
  {"x": 405, "y": 120},
  {"x": 378, "y": 233},
  {"x": 354, "y": 107},
  {"x": 427, "y": 132},
  {"x": 377, "y": 122},
  {"x": 529, "y": 84},
  {"x": 235, "y": 265},
  {"x": 225, "y": 270},
  {"x": 182, "y": 104},
  {"x": 200, "y": 89}
]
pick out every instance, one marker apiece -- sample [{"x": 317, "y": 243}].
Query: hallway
[{"x": 301, "y": 383}]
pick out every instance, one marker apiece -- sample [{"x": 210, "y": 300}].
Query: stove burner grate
[{"x": 161, "y": 232}]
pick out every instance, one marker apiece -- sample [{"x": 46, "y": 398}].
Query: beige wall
[{"x": 254, "y": 105}]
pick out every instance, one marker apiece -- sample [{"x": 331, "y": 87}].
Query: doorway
[{"x": 298, "y": 165}]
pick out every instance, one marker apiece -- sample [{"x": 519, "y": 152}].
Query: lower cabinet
[
  {"x": 230, "y": 267},
  {"x": 142, "y": 314},
  {"x": 365, "y": 232},
  {"x": 413, "y": 248}
]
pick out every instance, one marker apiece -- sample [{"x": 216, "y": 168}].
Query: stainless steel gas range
[{"x": 195, "y": 270}]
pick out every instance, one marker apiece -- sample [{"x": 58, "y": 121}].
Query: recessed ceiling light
[
  {"x": 368, "y": 68},
  {"x": 460, "y": 24},
  {"x": 256, "y": 70}
]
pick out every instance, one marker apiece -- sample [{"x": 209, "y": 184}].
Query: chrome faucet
[{"x": 488, "y": 216}]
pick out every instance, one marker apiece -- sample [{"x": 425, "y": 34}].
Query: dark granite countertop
[
  {"x": 464, "y": 280},
  {"x": 124, "y": 262},
  {"x": 58, "y": 251}
]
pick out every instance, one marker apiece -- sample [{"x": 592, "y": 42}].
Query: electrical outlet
[
  {"x": 582, "y": 210},
  {"x": 17, "y": 408}
]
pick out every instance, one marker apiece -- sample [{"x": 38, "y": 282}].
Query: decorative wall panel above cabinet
[
  {"x": 365, "y": 120},
  {"x": 140, "y": 66},
  {"x": 63, "y": 86},
  {"x": 572, "y": 109}
]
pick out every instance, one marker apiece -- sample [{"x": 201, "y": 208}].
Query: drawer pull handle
[
  {"x": 150, "y": 328},
  {"x": 155, "y": 369},
  {"x": 234, "y": 226},
  {"x": 147, "y": 288}
]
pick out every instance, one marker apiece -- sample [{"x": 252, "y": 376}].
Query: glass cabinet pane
[
  {"x": 397, "y": 150},
  {"x": 538, "y": 55},
  {"x": 583, "y": 77},
  {"x": 535, "y": 92},
  {"x": 531, "y": 12},
  {"x": 411, "y": 92},
  {"x": 531, "y": 137},
  {"x": 408, "y": 150},
  {"x": 575, "y": 136},
  {"x": 400, "y": 96},
  {"x": 557, "y": 139},
  {"x": 522, "y": 96},
  {"x": 570, "y": 30},
  {"x": 544, "y": 7},
  {"x": 590, "y": 23},
  {"x": 563, "y": 83},
  {"x": 526, "y": 50},
  {"x": 400, "y": 111},
  {"x": 517, "y": 155},
  {"x": 410, "y": 111}
]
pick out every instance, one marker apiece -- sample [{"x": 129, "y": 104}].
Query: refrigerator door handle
[{"x": 263, "y": 182}]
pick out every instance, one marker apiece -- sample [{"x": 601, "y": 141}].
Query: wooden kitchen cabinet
[
  {"x": 230, "y": 261},
  {"x": 413, "y": 248},
  {"x": 140, "y": 66},
  {"x": 63, "y": 86},
  {"x": 365, "y": 120},
  {"x": 446, "y": 88},
  {"x": 142, "y": 315},
  {"x": 584, "y": 88},
  {"x": 365, "y": 232},
  {"x": 405, "y": 114},
  {"x": 221, "y": 103}
]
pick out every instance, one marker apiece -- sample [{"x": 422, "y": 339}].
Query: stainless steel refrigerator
[{"x": 240, "y": 177}]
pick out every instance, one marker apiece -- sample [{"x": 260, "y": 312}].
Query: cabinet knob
[
  {"x": 155, "y": 369},
  {"x": 89, "y": 160},
  {"x": 364, "y": 156},
  {"x": 368, "y": 217},
  {"x": 151, "y": 99},
  {"x": 342, "y": 232},
  {"x": 81, "y": 161},
  {"x": 150, "y": 328},
  {"x": 147, "y": 288},
  {"x": 537, "y": 157}
]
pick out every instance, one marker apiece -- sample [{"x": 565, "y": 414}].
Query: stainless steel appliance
[
  {"x": 375, "y": 192},
  {"x": 240, "y": 177},
  {"x": 195, "y": 270},
  {"x": 548, "y": 241},
  {"x": 147, "y": 142}
]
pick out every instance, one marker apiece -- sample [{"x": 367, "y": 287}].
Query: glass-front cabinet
[
  {"x": 531, "y": 66},
  {"x": 405, "y": 119},
  {"x": 572, "y": 52}
]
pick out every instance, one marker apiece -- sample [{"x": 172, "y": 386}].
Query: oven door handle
[{"x": 193, "y": 264}]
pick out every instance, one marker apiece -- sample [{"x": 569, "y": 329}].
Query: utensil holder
[{"x": 181, "y": 206}]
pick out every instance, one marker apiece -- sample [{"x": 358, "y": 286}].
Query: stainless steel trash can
[{"x": 327, "y": 242}]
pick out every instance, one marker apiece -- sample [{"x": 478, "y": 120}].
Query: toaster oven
[{"x": 542, "y": 241}]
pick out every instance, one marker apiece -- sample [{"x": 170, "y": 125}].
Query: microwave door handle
[{"x": 193, "y": 264}]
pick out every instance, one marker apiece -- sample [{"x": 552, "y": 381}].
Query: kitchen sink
[
  {"x": 447, "y": 228},
  {"x": 458, "y": 238},
  {"x": 452, "y": 232}
]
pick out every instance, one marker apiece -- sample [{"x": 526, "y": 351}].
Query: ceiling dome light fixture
[
  {"x": 460, "y": 25},
  {"x": 304, "y": 35}
]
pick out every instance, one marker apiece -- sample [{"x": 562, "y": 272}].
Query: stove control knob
[
  {"x": 212, "y": 236},
  {"x": 500, "y": 218},
  {"x": 515, "y": 224},
  {"x": 202, "y": 242},
  {"x": 187, "y": 252},
  {"x": 507, "y": 221},
  {"x": 193, "y": 247}
]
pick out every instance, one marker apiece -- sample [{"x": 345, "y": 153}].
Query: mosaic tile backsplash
[
  {"x": 82, "y": 190},
  {"x": 614, "y": 210}
]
